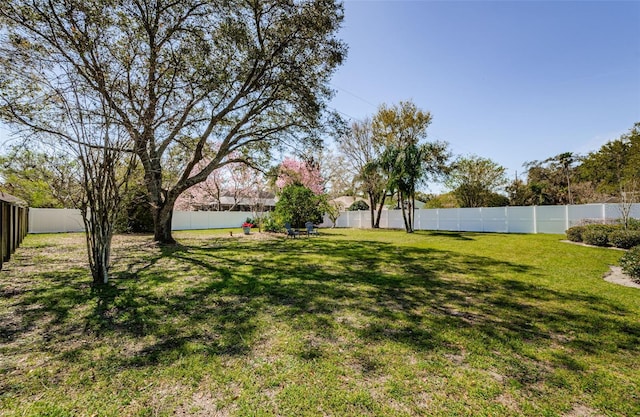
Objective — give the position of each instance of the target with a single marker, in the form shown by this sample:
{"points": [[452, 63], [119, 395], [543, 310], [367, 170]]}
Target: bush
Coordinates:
{"points": [[358, 205], [633, 224], [624, 239], [598, 234], [297, 205], [574, 233], [630, 262], [269, 224], [595, 236]]}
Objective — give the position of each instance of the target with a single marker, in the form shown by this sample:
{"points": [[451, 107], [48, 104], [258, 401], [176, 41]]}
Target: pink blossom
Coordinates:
{"points": [[292, 171]]}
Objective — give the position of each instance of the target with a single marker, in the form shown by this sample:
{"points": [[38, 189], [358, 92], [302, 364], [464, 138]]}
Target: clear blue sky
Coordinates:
{"points": [[513, 81]]}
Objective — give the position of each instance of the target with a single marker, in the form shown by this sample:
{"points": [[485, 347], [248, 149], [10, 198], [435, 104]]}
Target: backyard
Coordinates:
{"points": [[349, 323]]}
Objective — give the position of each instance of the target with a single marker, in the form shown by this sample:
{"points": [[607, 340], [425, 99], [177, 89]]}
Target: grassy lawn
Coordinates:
{"points": [[351, 323]]}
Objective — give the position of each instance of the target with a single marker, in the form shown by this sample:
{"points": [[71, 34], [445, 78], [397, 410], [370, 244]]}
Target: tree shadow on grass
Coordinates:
{"points": [[376, 291]]}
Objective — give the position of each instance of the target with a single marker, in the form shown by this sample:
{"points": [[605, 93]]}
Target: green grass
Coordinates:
{"points": [[351, 323]]}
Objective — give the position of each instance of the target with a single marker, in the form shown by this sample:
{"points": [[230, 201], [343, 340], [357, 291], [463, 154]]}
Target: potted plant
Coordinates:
{"points": [[246, 227]]}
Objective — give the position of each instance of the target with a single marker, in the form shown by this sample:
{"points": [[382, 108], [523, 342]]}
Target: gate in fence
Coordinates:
{"points": [[14, 224]]}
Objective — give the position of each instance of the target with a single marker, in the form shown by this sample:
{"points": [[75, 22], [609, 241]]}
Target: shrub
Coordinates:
{"points": [[297, 205], [269, 224], [358, 205], [574, 233], [630, 262], [598, 234], [595, 236], [624, 239], [633, 224]]}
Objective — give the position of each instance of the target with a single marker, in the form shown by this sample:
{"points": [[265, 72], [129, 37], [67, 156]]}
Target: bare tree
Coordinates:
{"points": [[361, 152], [628, 197], [105, 173]]}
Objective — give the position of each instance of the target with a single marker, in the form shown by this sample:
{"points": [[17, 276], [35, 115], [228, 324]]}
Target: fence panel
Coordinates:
{"points": [[591, 212], [521, 220], [394, 219], [614, 211], [14, 216], [494, 219], [470, 219], [428, 219], [193, 220], [51, 220], [448, 219], [551, 219]]}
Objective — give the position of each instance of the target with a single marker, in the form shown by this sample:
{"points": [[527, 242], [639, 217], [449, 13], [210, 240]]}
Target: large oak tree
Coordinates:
{"points": [[189, 81]]}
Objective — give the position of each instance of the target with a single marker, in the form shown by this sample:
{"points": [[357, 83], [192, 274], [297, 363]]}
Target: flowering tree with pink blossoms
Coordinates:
{"points": [[238, 181], [308, 174]]}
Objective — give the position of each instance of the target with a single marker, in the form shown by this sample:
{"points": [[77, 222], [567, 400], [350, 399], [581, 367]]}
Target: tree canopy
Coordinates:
{"points": [[389, 155], [475, 180], [616, 165], [188, 81]]}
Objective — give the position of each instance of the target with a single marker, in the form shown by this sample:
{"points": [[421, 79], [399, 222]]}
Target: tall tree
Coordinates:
{"points": [[176, 76], [551, 181], [474, 180], [615, 169], [564, 163], [406, 160]]}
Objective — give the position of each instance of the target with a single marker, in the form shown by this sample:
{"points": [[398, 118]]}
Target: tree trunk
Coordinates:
{"points": [[379, 214], [407, 225], [162, 224], [100, 267], [412, 214], [98, 232], [372, 209]]}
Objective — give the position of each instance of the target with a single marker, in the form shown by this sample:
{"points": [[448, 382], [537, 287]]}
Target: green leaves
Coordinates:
{"points": [[475, 180], [297, 205]]}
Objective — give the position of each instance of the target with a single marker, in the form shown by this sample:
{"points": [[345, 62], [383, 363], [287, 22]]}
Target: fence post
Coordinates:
{"points": [[2, 203], [535, 220], [506, 218]]}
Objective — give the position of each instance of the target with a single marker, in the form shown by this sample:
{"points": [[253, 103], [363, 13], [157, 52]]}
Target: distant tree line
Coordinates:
{"points": [[609, 174]]}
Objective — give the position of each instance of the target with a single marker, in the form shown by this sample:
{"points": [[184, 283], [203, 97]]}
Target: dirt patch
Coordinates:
{"points": [[582, 411], [616, 276]]}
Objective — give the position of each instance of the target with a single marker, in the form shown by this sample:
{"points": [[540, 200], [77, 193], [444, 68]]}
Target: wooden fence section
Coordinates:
{"points": [[14, 225]]}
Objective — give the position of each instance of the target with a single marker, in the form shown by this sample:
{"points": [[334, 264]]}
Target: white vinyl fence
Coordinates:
{"points": [[67, 220], [532, 219]]}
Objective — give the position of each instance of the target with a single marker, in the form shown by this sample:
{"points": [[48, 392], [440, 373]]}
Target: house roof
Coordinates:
{"points": [[345, 201], [8, 198]]}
